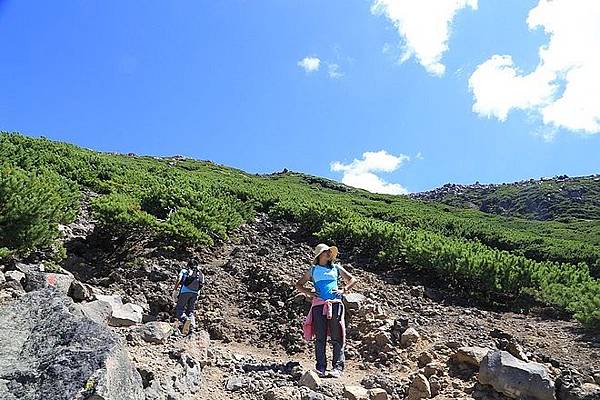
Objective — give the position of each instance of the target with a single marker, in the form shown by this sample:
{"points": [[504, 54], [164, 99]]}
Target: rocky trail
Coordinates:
{"points": [[103, 329]]}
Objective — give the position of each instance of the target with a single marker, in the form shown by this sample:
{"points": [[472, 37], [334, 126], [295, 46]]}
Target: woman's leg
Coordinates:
{"points": [[336, 336], [320, 329]]}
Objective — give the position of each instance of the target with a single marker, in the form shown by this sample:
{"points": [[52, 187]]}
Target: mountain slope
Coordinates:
{"points": [[560, 198], [188, 203]]}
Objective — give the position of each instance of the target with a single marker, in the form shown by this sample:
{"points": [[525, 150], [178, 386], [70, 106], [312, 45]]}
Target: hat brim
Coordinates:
{"points": [[334, 253]]}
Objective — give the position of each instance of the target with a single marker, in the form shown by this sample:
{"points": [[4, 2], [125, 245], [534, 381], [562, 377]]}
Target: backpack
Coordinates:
{"points": [[193, 279]]}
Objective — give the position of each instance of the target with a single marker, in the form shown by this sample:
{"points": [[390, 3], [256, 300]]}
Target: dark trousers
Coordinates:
{"points": [[185, 305], [321, 325]]}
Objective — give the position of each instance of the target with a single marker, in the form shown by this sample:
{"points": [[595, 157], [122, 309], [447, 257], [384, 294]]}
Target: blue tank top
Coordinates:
{"points": [[325, 280]]}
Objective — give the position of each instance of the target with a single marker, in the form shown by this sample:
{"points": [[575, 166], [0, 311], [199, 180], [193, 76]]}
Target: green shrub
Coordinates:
{"points": [[32, 204]]}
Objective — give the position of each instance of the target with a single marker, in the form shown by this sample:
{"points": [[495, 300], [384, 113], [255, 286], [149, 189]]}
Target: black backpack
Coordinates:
{"points": [[193, 279]]}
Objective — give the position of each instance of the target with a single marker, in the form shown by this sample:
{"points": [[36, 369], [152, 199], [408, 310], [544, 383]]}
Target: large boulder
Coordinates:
{"points": [[49, 350], [515, 378], [37, 278]]}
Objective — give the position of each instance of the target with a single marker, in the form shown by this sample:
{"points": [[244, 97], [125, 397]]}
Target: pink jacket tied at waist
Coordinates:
{"points": [[309, 332]]}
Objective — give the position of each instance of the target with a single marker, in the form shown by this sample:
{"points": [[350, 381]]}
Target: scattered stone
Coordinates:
{"points": [[16, 276], [516, 350], [354, 301], [127, 315], [356, 393], [436, 385], [434, 368], [419, 388], [97, 310], [311, 380], [2, 278], [122, 314], [156, 331], [587, 391], [282, 393], [235, 383], [378, 394], [424, 359], [409, 337], [80, 291], [516, 378], [471, 356]]}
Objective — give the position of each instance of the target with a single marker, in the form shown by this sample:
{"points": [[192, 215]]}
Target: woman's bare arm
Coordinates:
{"points": [[300, 285], [347, 278]]}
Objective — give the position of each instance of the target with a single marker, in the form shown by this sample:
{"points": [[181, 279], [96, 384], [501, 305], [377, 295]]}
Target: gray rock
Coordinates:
{"points": [[470, 355], [80, 291], [282, 393], [515, 378], [409, 337], [122, 314], [311, 380], [36, 278], [354, 301], [2, 278], [356, 393], [378, 394], [235, 383], [156, 331], [48, 350], [41, 280], [98, 311], [419, 388], [16, 276], [126, 315], [587, 391]]}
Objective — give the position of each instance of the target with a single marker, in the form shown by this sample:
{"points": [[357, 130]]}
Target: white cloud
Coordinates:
{"points": [[419, 156], [310, 64], [424, 26], [563, 89], [361, 173], [333, 70]]}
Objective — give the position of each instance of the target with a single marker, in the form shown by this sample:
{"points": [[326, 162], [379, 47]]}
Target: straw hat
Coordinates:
{"points": [[323, 247]]}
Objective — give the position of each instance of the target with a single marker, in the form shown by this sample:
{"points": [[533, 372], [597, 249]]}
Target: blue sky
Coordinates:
{"points": [[222, 81]]}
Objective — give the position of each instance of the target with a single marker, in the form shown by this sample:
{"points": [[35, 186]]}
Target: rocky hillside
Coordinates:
{"points": [[102, 328], [558, 198]]}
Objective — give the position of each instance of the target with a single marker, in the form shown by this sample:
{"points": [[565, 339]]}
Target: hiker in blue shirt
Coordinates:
{"points": [[189, 283], [326, 315]]}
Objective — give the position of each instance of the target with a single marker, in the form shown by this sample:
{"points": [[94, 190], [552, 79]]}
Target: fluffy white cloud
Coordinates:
{"points": [[361, 173], [424, 26], [310, 64], [564, 87]]}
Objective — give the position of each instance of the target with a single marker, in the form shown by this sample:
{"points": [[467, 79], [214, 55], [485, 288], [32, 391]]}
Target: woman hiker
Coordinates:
{"points": [[189, 283], [326, 316]]}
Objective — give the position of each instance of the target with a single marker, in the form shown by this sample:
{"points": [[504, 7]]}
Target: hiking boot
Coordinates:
{"points": [[335, 373], [186, 327], [322, 373]]}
